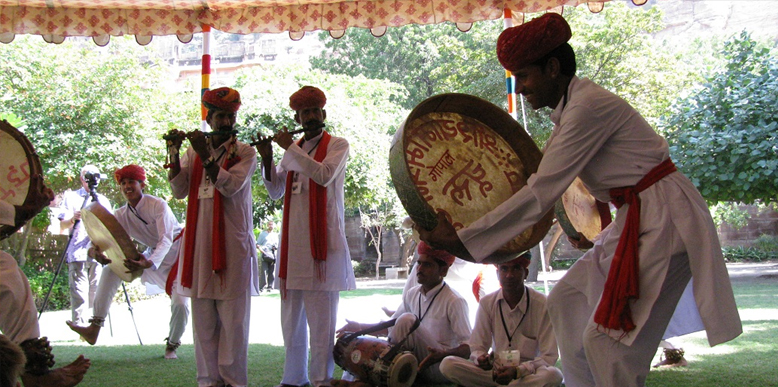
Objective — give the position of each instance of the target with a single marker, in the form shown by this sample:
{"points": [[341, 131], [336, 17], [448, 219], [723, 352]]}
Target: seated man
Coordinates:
{"points": [[508, 320], [441, 311], [149, 220], [18, 315]]}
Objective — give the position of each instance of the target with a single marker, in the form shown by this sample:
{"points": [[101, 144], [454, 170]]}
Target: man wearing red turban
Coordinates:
{"points": [[218, 266], [314, 263], [440, 312], [607, 311], [150, 221]]}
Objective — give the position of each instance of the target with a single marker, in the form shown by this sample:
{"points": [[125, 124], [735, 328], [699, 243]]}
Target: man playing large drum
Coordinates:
{"points": [[444, 325], [149, 220], [511, 319], [661, 240]]}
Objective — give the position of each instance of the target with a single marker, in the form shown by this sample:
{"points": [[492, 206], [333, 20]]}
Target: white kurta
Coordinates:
{"points": [[18, 315], [601, 138], [72, 202], [329, 173], [235, 186], [153, 224]]}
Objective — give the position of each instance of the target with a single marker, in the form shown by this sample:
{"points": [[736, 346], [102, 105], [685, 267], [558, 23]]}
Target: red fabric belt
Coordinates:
{"points": [[622, 284]]}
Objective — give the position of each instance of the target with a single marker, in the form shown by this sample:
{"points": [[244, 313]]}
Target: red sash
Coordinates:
{"points": [[218, 254], [317, 218], [622, 284]]}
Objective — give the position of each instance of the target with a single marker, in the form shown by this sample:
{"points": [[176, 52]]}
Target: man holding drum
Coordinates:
{"points": [[83, 270], [663, 235], [218, 266], [18, 315], [149, 220], [442, 316], [514, 323], [314, 263]]}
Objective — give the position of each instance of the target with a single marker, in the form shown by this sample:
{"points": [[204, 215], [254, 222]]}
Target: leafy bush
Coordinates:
{"points": [[747, 254], [768, 243], [363, 268], [40, 280]]}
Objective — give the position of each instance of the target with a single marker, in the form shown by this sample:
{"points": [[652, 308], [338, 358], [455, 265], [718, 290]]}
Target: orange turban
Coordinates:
{"points": [[223, 98], [132, 171], [439, 255], [523, 45], [307, 97]]}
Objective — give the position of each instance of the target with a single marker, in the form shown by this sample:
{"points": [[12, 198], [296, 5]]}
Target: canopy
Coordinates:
{"points": [[57, 19]]}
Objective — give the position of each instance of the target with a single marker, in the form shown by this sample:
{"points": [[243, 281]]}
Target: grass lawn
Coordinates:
{"points": [[749, 360]]}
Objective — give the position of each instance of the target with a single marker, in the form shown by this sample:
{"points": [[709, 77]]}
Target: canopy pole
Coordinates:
{"points": [[206, 73], [509, 81]]}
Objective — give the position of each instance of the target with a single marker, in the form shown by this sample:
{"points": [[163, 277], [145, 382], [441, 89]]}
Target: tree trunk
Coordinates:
{"points": [[377, 245], [533, 264], [21, 257]]}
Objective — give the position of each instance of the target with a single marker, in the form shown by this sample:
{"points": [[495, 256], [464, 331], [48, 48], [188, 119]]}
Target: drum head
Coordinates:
{"points": [[18, 162], [106, 233], [463, 156], [402, 371], [577, 212]]}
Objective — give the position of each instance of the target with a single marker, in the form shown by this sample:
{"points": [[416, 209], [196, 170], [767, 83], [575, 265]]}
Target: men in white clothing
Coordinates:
{"points": [[509, 320], [217, 265], [18, 315], [149, 220], [663, 235], [83, 271], [314, 263], [442, 313]]}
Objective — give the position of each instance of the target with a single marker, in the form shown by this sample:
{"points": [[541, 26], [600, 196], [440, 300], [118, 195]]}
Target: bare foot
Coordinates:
{"points": [[89, 333], [67, 376]]}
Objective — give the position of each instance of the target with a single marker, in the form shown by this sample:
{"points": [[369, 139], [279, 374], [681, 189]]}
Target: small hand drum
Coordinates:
{"points": [[18, 162], [366, 358], [106, 233]]}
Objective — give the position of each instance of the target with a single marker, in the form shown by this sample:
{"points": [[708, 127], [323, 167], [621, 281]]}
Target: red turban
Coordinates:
{"points": [[439, 255], [132, 171], [523, 45], [307, 97], [223, 98]]}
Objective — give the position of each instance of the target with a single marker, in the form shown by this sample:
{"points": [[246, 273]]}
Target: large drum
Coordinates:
{"points": [[372, 360], [106, 233], [580, 214], [18, 162], [463, 156]]}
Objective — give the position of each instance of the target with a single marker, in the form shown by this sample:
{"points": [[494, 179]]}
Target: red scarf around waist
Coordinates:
{"points": [[218, 253], [622, 284], [317, 218]]}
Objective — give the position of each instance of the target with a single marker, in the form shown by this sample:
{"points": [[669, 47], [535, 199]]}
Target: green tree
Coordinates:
{"points": [[723, 135], [82, 104]]}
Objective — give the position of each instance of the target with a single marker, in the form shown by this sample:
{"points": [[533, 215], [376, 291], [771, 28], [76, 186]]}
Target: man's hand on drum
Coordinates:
{"points": [[98, 255], [350, 327], [137, 264], [434, 357], [581, 243], [444, 237]]}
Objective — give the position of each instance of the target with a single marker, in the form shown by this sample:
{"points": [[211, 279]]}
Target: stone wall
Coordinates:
{"points": [[761, 222]]}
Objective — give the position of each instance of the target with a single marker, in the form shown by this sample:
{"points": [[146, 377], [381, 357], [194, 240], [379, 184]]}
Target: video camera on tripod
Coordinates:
{"points": [[93, 178]]}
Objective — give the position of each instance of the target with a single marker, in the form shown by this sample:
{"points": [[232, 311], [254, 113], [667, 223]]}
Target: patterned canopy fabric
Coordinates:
{"points": [[145, 18]]}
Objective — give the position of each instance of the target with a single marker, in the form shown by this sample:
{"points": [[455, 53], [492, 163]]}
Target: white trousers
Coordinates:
{"points": [[464, 372], [301, 311], [179, 305], [592, 358], [417, 342], [18, 315], [83, 277], [221, 332]]}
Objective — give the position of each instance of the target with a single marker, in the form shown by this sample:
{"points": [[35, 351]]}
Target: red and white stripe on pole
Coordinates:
{"points": [[206, 72]]}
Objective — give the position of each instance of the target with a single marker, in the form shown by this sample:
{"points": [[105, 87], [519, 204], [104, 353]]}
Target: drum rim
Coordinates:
{"points": [[493, 117], [122, 239], [34, 165]]}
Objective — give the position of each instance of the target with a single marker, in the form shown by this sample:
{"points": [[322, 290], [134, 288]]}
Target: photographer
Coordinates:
{"points": [[83, 271]]}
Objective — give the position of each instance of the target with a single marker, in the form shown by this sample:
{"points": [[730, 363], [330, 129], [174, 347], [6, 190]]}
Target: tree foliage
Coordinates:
{"points": [[723, 135], [82, 104]]}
